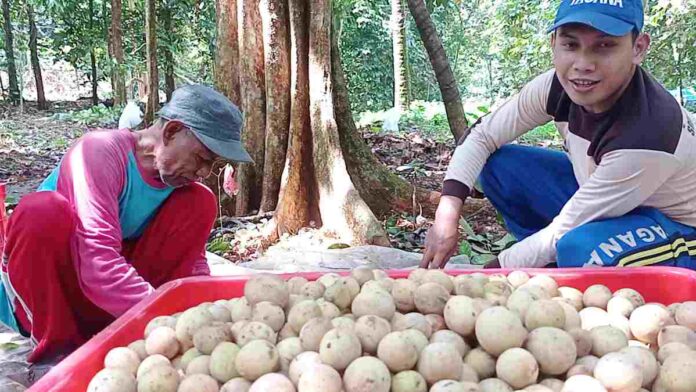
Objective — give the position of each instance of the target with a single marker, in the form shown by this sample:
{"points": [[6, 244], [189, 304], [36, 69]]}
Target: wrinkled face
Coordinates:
{"points": [[181, 158], [594, 68]]}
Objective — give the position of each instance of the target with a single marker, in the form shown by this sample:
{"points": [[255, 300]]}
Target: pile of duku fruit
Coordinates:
{"points": [[367, 332]]}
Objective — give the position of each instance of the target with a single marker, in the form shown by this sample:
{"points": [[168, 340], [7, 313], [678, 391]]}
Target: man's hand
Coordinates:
{"points": [[442, 238]]}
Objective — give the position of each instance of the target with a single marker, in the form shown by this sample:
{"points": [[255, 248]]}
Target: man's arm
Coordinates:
{"points": [[624, 180], [519, 114], [92, 174]]}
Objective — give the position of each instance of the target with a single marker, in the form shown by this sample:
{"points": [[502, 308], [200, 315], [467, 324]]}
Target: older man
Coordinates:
{"points": [[122, 214]]}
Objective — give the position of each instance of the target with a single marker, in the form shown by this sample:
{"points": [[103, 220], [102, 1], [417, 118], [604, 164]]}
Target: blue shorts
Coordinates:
{"points": [[530, 185]]}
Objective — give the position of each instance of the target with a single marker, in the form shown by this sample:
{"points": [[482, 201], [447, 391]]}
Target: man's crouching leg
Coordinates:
{"points": [[643, 237], [41, 281], [173, 244]]}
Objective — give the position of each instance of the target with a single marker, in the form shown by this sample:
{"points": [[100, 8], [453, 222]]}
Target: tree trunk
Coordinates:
{"points": [[117, 76], [342, 209], [402, 99], [297, 202], [95, 82], [443, 72], [169, 83], [253, 101], [226, 75], [35, 65], [274, 16], [93, 57], [381, 189], [227, 50], [152, 75], [9, 53]]}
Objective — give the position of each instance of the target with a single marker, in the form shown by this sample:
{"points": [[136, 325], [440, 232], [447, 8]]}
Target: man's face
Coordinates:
{"points": [[594, 68], [181, 158]]}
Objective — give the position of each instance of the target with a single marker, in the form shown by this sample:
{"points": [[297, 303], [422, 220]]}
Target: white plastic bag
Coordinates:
{"points": [[391, 120], [131, 116]]}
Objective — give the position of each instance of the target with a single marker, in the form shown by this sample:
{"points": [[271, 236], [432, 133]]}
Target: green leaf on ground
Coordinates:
{"points": [[338, 245], [9, 346], [465, 248], [482, 259], [219, 245], [466, 227]]}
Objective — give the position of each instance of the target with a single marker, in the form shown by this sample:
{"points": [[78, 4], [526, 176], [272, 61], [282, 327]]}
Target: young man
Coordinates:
{"points": [[122, 214], [623, 194]]}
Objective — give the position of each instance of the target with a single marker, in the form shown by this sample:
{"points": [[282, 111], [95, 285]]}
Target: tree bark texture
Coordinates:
{"points": [[402, 99], [443, 71], [381, 189], [9, 53], [118, 73], [34, 54], [342, 209], [226, 78], [298, 199], [227, 50], [274, 16], [169, 82], [93, 66], [252, 89], [152, 74], [93, 58]]}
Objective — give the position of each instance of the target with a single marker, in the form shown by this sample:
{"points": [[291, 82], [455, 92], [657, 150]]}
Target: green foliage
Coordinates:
{"points": [[99, 115], [672, 57], [219, 245], [544, 133], [482, 248]]}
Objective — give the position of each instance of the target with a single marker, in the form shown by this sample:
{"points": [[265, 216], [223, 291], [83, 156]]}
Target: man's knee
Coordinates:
{"points": [[575, 249], [500, 160], [43, 213]]}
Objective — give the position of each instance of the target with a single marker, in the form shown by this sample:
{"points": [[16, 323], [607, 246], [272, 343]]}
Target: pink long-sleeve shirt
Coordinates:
{"points": [[113, 200]]}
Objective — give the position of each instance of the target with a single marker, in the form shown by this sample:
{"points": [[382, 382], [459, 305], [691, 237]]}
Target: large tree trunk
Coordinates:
{"points": [[253, 99], [402, 99], [226, 74], [169, 83], [342, 209], [227, 50], [35, 65], [93, 57], [9, 53], [441, 66], [152, 74], [274, 15], [381, 189], [297, 202], [118, 75]]}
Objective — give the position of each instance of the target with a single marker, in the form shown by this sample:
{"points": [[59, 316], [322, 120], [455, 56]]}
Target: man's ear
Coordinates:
{"points": [[640, 48], [170, 129]]}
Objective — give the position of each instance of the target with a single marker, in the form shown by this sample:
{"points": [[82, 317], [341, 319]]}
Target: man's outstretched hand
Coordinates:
{"points": [[442, 238]]}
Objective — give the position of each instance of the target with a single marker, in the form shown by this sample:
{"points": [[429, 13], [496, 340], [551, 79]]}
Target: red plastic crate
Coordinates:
{"points": [[657, 284]]}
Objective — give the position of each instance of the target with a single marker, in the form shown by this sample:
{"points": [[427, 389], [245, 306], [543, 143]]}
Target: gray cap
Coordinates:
{"points": [[213, 118]]}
